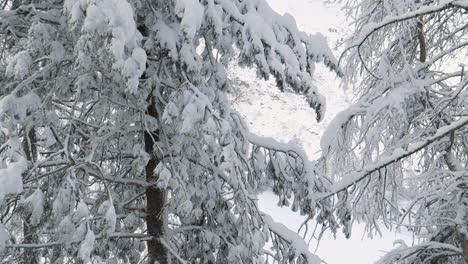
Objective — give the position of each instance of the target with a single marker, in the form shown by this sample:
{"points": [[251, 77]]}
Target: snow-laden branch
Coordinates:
{"points": [[114, 235], [397, 155], [296, 241], [270, 143], [370, 28], [437, 249]]}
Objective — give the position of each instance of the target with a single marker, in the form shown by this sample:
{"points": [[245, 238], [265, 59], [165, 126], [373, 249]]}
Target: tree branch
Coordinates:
{"points": [[358, 175]]}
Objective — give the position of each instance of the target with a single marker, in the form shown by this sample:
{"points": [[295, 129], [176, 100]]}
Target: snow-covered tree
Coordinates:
{"points": [[118, 142], [400, 152]]}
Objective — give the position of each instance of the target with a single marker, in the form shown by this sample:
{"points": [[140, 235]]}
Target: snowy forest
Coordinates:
{"points": [[120, 141]]}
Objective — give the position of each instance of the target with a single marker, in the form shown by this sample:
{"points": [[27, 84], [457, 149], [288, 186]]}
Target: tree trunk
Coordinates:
{"points": [[422, 43], [29, 236], [464, 246], [155, 198]]}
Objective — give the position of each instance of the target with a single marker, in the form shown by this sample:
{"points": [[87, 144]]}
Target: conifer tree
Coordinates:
{"points": [[118, 143]]}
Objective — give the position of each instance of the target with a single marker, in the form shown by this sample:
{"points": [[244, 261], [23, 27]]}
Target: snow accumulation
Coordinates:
{"points": [[397, 154], [107, 209], [18, 107], [287, 118], [191, 12], [87, 246], [11, 182], [463, 3], [36, 202], [11, 177], [371, 27], [297, 242], [19, 65], [115, 17], [3, 237]]}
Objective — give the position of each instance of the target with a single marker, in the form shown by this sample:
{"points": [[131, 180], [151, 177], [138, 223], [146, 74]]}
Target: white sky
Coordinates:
{"points": [[310, 15]]}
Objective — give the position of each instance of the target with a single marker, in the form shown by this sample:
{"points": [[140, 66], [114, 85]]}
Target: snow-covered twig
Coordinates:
{"points": [[385, 160]]}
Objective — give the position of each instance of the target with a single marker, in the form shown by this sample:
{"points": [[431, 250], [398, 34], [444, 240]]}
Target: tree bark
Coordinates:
{"points": [[155, 198], [422, 43], [29, 236], [464, 246]]}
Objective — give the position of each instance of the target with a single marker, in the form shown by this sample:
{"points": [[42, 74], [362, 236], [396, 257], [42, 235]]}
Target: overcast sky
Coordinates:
{"points": [[311, 15]]}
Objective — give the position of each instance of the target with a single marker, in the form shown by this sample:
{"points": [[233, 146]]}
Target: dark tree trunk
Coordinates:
{"points": [[422, 43], [29, 236], [155, 197], [464, 246]]}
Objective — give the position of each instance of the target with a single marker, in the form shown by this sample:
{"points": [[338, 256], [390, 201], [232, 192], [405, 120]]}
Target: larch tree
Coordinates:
{"points": [[399, 153], [118, 143]]}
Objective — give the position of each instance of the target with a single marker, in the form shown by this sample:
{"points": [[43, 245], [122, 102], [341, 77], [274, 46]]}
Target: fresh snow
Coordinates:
{"points": [[191, 12], [87, 246], [287, 118], [11, 178], [296, 240], [114, 17], [19, 65], [397, 154], [3, 237], [36, 202]]}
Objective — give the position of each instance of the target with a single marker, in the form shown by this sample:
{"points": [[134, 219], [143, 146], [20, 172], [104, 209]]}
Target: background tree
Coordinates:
{"points": [[117, 135], [400, 151]]}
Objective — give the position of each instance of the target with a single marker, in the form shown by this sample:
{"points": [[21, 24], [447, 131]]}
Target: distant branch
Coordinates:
{"points": [[374, 27], [399, 154]]}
